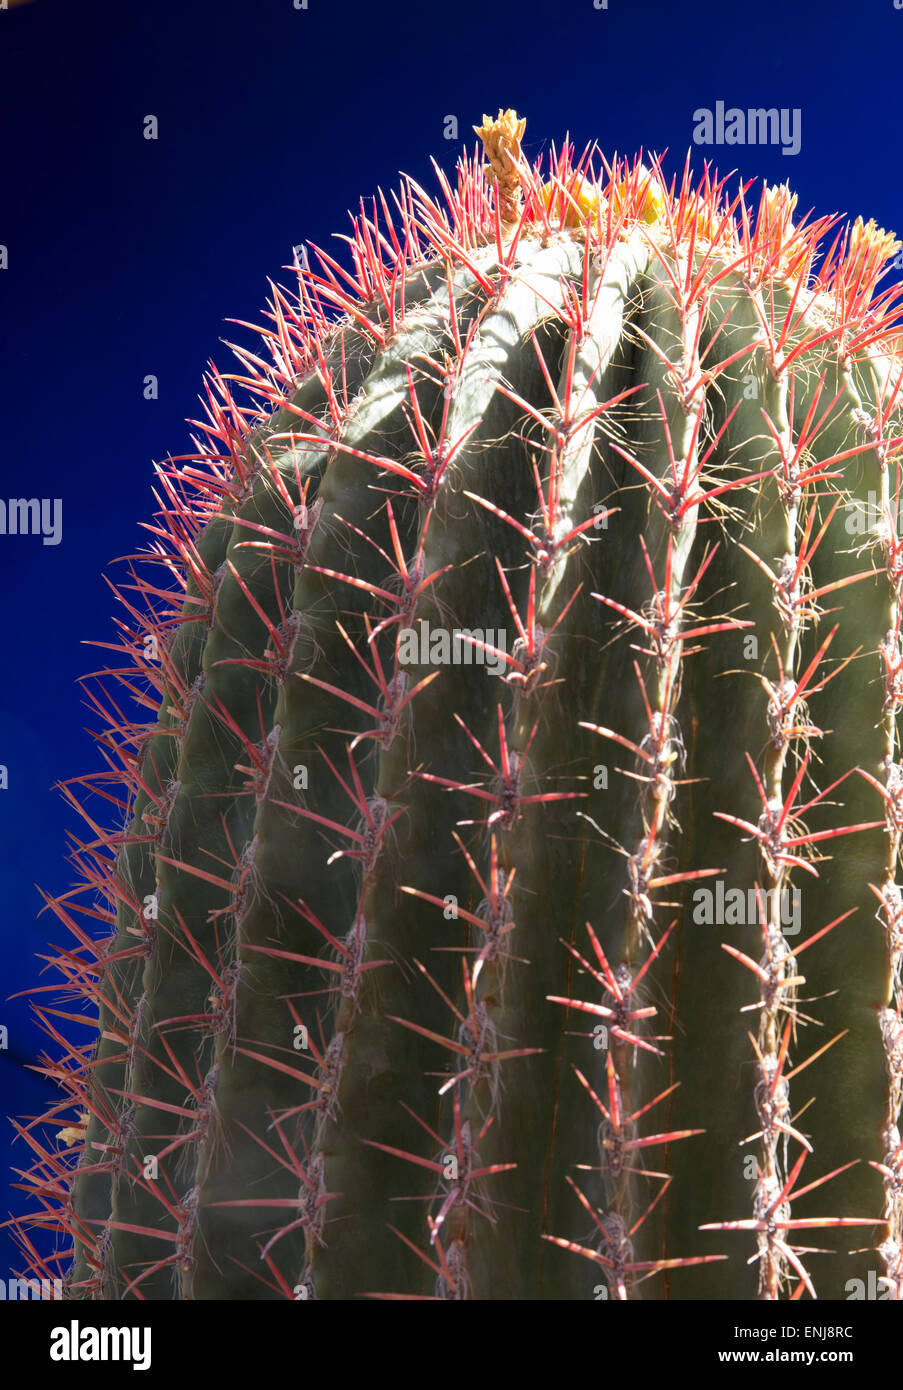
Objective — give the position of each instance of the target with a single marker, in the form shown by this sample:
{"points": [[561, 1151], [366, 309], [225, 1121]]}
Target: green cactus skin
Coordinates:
{"points": [[407, 988]]}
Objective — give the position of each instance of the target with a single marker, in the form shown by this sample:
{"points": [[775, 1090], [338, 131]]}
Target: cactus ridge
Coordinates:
{"points": [[516, 655]]}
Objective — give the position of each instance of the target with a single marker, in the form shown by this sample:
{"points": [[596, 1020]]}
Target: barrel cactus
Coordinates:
{"points": [[522, 646]]}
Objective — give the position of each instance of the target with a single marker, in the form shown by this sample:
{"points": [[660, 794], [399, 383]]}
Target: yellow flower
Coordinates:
{"points": [[643, 195], [870, 246], [574, 206]]}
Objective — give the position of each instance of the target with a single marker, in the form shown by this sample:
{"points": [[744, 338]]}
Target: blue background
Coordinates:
{"points": [[126, 257]]}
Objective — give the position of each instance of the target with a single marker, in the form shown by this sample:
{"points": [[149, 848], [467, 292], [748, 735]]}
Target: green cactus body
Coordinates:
{"points": [[529, 621]]}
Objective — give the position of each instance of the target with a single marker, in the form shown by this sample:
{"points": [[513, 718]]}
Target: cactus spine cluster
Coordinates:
{"points": [[524, 663]]}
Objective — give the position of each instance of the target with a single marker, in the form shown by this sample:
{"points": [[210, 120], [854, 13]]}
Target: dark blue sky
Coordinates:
{"points": [[125, 256]]}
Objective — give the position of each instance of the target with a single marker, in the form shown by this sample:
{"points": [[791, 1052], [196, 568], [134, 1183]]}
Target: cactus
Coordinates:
{"points": [[524, 660]]}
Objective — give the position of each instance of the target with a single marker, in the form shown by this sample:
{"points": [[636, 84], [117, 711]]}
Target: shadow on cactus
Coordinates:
{"points": [[506, 901]]}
